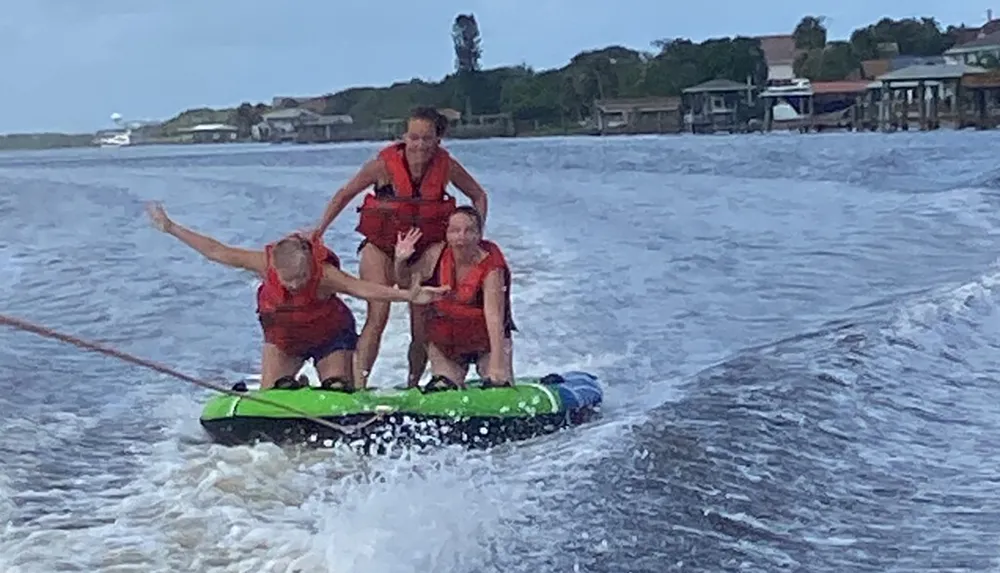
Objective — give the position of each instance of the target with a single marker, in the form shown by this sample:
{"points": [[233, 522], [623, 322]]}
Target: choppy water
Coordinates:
{"points": [[799, 335]]}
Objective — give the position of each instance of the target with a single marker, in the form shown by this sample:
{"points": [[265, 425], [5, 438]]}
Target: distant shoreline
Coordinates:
{"points": [[43, 141], [49, 141], [614, 90]]}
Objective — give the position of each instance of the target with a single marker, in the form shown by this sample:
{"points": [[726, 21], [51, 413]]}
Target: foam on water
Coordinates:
{"points": [[6, 499], [10, 268], [210, 508]]}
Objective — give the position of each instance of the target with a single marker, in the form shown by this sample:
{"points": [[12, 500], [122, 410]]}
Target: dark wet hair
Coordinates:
{"points": [[472, 213], [439, 121]]}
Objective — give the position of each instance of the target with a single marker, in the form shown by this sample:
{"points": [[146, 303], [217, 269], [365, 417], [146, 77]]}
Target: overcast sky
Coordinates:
{"points": [[69, 64]]}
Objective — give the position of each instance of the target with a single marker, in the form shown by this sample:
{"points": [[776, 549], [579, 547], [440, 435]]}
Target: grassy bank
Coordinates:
{"points": [[16, 141]]}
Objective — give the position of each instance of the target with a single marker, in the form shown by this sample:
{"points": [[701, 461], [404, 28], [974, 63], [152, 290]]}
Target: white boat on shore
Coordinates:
{"points": [[115, 138]]}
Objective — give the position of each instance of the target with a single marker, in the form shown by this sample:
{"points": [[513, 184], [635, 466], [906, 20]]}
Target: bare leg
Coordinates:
{"points": [[376, 267], [337, 364], [441, 365], [275, 364], [417, 355], [483, 364]]}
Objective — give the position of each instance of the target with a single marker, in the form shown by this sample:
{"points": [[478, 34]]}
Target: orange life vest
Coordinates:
{"points": [[457, 323], [426, 208], [299, 321]]}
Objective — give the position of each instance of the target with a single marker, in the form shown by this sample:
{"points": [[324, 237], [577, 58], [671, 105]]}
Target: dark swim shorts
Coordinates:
{"points": [[346, 339]]}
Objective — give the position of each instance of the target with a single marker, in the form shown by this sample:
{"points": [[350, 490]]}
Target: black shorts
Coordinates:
{"points": [[346, 339]]}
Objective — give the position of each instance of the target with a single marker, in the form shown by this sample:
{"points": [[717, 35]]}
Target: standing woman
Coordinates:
{"points": [[410, 179]]}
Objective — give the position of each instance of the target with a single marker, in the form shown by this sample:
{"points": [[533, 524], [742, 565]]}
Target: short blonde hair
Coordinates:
{"points": [[291, 252]]}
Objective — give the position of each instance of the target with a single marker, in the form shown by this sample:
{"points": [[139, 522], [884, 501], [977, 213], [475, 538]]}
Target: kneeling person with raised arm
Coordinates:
{"points": [[300, 313], [473, 323]]}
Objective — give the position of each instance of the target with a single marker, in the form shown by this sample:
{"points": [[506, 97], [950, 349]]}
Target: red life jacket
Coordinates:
{"points": [[299, 321], [427, 209], [457, 323]]}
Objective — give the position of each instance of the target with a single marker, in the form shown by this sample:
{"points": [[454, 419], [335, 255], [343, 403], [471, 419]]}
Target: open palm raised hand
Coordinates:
{"points": [[406, 244]]}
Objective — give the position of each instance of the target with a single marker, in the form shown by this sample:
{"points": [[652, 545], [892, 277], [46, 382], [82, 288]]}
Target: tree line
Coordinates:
{"points": [[822, 60], [560, 97]]}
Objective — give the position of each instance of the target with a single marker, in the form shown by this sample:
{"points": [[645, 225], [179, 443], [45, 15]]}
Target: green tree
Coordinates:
{"points": [[607, 73], [810, 33], [911, 36], [465, 36], [834, 62], [674, 68], [682, 63], [244, 119], [535, 97], [563, 95], [737, 60], [468, 52], [572, 105]]}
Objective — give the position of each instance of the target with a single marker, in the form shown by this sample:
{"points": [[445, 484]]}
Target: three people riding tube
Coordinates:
{"points": [[410, 180]]}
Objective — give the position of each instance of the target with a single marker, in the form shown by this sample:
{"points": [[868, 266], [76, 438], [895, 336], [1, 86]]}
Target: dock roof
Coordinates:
{"points": [[930, 72], [641, 104], [718, 86]]}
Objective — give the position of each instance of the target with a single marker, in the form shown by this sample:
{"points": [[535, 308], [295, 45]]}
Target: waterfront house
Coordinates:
{"points": [[209, 133], [718, 105], [323, 128], [984, 50], [806, 106], [779, 53], [301, 125], [639, 115], [926, 87]]}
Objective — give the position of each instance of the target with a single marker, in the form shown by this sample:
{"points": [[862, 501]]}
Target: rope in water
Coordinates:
{"points": [[79, 342]]}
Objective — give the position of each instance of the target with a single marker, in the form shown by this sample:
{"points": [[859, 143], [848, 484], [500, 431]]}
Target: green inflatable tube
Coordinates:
{"points": [[473, 417]]}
